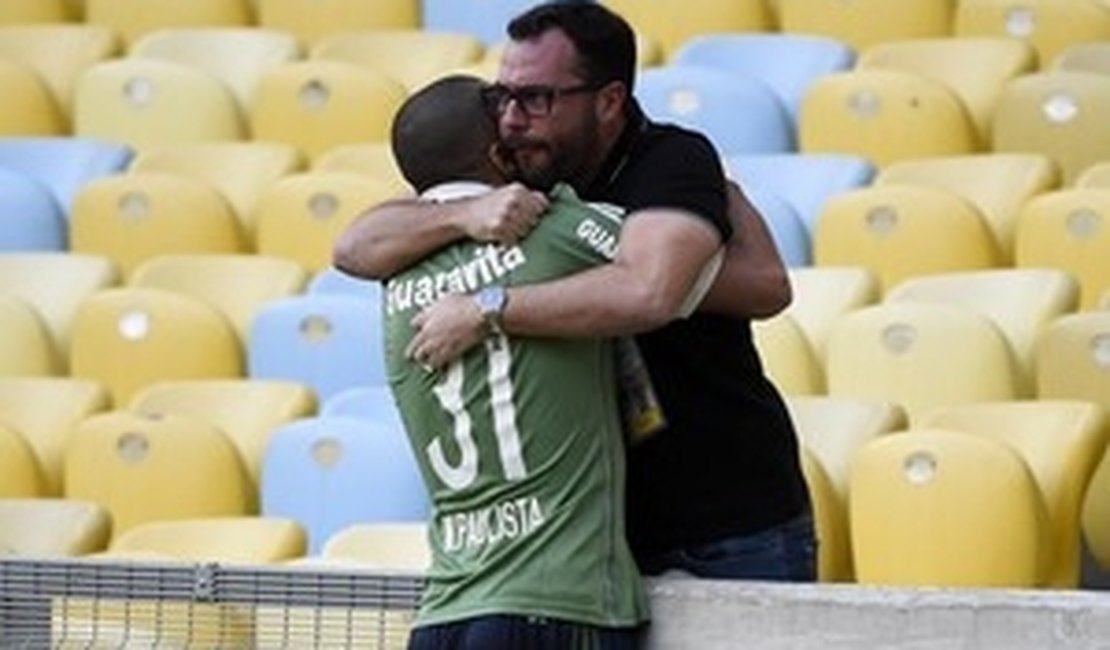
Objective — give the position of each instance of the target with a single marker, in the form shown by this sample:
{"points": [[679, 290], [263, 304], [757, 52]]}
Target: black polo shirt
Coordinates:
{"points": [[727, 463]]}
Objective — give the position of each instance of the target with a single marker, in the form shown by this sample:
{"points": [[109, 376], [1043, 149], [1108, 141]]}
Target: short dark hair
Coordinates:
{"points": [[443, 133], [605, 42]]}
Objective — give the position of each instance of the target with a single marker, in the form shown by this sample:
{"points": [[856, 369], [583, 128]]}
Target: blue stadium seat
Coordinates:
{"points": [[30, 219], [328, 342], [486, 19], [333, 281], [790, 233], [330, 472], [740, 114], [368, 402], [63, 164]]}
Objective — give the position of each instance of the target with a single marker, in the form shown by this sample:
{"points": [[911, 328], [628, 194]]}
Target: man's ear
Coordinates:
{"points": [[501, 160], [611, 100]]}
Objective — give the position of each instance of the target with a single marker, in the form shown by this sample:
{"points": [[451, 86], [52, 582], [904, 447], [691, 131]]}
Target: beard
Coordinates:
{"points": [[540, 164]]}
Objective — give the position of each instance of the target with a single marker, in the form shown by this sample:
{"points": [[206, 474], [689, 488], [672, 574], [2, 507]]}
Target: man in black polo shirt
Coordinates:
{"points": [[719, 491]]}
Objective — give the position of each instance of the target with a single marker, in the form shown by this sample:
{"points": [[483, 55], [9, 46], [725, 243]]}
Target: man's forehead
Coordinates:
{"points": [[546, 59]]}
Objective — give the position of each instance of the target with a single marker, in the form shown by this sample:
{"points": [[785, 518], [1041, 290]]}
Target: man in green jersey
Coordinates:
{"points": [[520, 441]]}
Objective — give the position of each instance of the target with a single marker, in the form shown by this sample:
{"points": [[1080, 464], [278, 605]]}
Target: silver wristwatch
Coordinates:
{"points": [[491, 301]]}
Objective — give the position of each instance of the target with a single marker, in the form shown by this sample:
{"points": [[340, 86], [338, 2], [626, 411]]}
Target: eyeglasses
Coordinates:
{"points": [[535, 101]]}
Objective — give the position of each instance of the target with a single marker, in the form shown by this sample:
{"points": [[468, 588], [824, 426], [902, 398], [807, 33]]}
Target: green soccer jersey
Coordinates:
{"points": [[519, 441]]}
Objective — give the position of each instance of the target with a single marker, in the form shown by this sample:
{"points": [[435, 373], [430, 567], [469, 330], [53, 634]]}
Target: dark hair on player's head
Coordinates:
{"points": [[605, 42], [443, 132]]}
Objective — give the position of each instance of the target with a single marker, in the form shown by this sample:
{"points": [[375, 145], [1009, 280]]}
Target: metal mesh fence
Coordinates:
{"points": [[97, 604]]}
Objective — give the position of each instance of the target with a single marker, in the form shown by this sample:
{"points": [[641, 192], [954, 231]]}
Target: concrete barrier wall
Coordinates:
{"points": [[714, 615]]}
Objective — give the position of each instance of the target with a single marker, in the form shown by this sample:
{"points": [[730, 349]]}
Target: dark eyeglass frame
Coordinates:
{"points": [[534, 100]]}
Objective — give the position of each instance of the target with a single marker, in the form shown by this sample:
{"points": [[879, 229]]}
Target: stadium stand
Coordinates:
{"points": [[331, 280], [1094, 176], [788, 357], [26, 348], [788, 229], [671, 23], [367, 402], [823, 294], [64, 164], [45, 527], [382, 545], [830, 521], [1083, 57], [390, 53], [28, 108], [34, 11], [133, 19], [1072, 358], [30, 219], [1049, 26], [232, 540], [864, 23], [20, 475], [322, 18], [373, 159]]}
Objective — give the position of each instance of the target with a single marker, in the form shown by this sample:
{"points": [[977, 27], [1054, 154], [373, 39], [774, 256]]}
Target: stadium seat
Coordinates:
{"points": [[863, 23], [317, 105], [903, 231], [312, 21], [920, 356], [64, 164], [390, 53], [241, 171], [374, 159], [998, 184], [44, 410], [1082, 57], [331, 280], [366, 402], [1073, 358], [1050, 26], [672, 23], [55, 284], [18, 12], [383, 546], [1095, 176], [300, 216], [133, 19], [133, 218], [30, 218], [238, 286], [231, 540], [1019, 302], [26, 348], [1057, 114], [974, 69], [824, 294], [237, 56], [884, 116], [788, 357], [709, 100], [938, 508], [331, 472], [248, 411], [143, 469], [787, 63], [329, 342], [1061, 442], [129, 338], [1068, 230], [148, 103], [805, 180], [20, 474], [28, 108], [59, 54], [484, 19], [788, 231], [52, 528], [832, 430], [1095, 516], [830, 520]]}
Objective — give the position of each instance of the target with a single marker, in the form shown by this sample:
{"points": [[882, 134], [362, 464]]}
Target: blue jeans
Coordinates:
{"points": [[787, 553], [510, 632]]}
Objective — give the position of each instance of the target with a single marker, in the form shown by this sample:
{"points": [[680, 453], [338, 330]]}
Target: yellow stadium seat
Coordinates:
{"points": [[1083, 57], [144, 469], [1058, 114], [234, 540], [56, 284], [241, 171], [885, 116], [903, 231], [317, 105], [1073, 358], [671, 22], [374, 159], [26, 347], [237, 286], [18, 12], [1069, 230], [1061, 442], [390, 53], [131, 218], [1095, 516], [147, 103], [129, 338], [20, 474], [400, 546], [832, 431], [830, 521], [1050, 26], [132, 19], [998, 184], [823, 294], [300, 216], [975, 69], [1096, 176], [863, 23], [788, 357], [43, 528], [247, 410], [939, 508], [312, 20], [60, 54], [237, 56], [1019, 302], [28, 108], [44, 410], [920, 356]]}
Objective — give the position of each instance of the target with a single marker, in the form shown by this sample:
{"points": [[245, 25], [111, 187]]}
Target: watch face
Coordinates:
{"points": [[491, 299]]}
